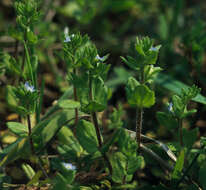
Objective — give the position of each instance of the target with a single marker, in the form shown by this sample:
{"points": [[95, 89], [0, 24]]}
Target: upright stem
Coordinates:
{"points": [[180, 132], [30, 138], [32, 147], [98, 133], [139, 121], [139, 114], [94, 118], [75, 98]]}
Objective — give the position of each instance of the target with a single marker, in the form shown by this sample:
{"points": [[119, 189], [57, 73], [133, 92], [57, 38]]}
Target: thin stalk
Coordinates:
{"points": [[180, 132], [40, 102], [29, 62], [30, 138], [139, 121], [32, 146], [94, 118], [139, 114], [24, 57], [75, 99], [41, 166], [97, 129]]}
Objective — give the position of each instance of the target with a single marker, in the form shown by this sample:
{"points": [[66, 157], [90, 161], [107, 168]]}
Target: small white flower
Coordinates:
{"points": [[153, 49], [170, 107], [69, 166], [66, 31], [99, 58], [68, 38], [29, 87]]}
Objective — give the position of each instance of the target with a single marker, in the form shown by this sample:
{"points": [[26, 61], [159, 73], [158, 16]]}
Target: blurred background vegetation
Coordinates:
{"points": [[178, 25]]}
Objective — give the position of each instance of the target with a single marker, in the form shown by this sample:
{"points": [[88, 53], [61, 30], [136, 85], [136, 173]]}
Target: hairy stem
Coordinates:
{"points": [[139, 121]]}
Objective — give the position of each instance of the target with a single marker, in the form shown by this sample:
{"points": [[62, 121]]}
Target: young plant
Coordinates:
{"points": [[139, 94]]}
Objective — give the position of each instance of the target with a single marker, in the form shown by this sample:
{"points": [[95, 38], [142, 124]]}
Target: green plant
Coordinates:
{"points": [[71, 146]]}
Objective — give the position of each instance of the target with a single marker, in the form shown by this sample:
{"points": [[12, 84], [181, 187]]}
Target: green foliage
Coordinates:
{"points": [[180, 102], [70, 145], [68, 104], [86, 136], [30, 173], [202, 175], [141, 96], [146, 54], [179, 165], [167, 120], [27, 97], [118, 162], [18, 128]]}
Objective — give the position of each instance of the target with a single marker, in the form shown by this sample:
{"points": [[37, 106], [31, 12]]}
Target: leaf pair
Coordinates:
{"points": [[139, 95]]}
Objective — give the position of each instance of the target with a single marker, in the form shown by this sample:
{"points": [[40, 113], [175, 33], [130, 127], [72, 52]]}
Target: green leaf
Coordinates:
{"points": [[132, 83], [69, 104], [32, 38], [28, 170], [18, 128], [100, 92], [167, 120], [94, 106], [12, 100], [45, 130], [86, 136], [135, 163], [150, 73], [176, 86], [35, 179], [131, 62], [18, 150], [179, 165], [189, 137], [202, 175], [118, 162], [42, 133], [69, 145], [178, 106], [111, 141], [141, 96]]}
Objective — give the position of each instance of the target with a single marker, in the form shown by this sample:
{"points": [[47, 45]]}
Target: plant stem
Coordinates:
{"points": [[75, 98], [98, 133], [187, 170], [139, 121], [94, 118], [30, 138], [32, 147], [180, 132]]}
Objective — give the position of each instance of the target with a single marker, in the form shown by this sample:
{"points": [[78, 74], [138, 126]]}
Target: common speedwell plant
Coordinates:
{"points": [[86, 155]]}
